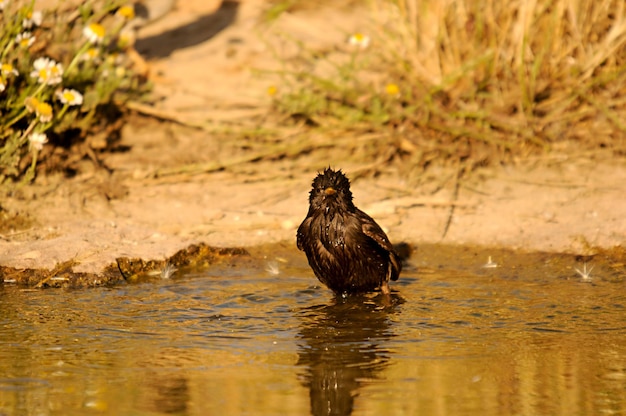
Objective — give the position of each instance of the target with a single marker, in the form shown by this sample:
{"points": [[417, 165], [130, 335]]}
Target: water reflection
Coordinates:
{"points": [[342, 347], [166, 392]]}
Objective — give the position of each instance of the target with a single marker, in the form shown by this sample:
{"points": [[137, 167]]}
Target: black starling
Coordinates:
{"points": [[346, 249]]}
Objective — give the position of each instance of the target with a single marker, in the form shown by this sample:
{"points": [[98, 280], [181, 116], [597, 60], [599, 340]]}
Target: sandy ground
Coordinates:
{"points": [[208, 56]]}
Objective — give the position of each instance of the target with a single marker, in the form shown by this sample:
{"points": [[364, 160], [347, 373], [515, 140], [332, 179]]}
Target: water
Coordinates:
{"points": [[530, 337]]}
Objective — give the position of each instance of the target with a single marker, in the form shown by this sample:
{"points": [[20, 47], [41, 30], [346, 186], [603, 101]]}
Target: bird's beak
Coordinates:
{"points": [[330, 191]]}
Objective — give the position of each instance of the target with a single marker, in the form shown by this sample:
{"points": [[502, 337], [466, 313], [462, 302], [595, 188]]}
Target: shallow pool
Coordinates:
{"points": [[523, 334]]}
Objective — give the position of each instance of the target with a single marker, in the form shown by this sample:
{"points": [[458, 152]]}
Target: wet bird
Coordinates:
{"points": [[346, 249]]}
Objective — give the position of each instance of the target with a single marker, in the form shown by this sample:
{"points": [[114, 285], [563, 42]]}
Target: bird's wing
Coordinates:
{"points": [[300, 234], [373, 231]]}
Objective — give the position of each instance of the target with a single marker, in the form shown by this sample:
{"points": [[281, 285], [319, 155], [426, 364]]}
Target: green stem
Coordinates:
{"points": [[30, 173], [77, 57], [39, 89], [62, 112], [33, 164], [17, 118], [28, 130]]}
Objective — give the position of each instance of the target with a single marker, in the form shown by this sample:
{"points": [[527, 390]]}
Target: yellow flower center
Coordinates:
{"points": [[92, 53], [98, 30], [125, 40], [359, 37], [43, 74], [69, 96], [127, 12], [44, 110], [392, 89], [360, 40], [31, 103]]}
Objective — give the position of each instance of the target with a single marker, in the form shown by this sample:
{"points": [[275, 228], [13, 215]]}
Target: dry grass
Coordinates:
{"points": [[478, 81]]}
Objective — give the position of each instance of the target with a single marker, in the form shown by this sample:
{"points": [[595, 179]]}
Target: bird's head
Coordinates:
{"points": [[331, 189]]}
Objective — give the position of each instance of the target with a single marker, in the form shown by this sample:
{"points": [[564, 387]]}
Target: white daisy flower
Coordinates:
{"points": [[25, 39], [37, 140], [94, 32], [47, 71], [56, 74], [8, 69], [91, 54], [359, 40], [32, 19], [70, 97]]}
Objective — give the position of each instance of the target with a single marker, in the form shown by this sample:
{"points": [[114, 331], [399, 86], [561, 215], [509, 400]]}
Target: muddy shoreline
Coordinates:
{"points": [[85, 224]]}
